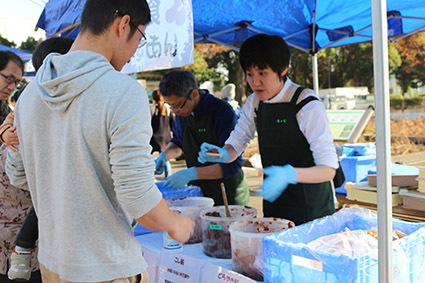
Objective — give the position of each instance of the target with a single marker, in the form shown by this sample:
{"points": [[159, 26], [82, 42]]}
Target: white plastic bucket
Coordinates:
{"points": [[247, 248]]}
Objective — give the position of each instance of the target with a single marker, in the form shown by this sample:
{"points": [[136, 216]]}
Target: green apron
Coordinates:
{"points": [[197, 130], [282, 142]]}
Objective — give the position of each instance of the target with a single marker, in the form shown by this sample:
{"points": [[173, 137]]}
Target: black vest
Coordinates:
{"points": [[281, 142], [195, 131]]}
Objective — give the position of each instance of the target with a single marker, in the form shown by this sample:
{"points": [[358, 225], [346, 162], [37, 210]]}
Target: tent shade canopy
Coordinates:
{"points": [[334, 22], [24, 54]]}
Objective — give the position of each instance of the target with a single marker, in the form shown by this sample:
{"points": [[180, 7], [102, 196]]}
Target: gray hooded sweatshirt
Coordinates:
{"points": [[84, 154]]}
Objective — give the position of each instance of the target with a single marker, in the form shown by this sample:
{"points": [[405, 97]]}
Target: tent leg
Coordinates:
{"points": [[315, 73], [383, 143]]}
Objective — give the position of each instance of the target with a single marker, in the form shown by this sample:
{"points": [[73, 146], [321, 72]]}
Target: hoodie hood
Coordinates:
{"points": [[62, 78]]}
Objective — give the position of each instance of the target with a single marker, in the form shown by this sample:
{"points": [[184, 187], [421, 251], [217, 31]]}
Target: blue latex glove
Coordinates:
{"points": [[160, 163], [277, 180], [181, 178], [203, 157]]}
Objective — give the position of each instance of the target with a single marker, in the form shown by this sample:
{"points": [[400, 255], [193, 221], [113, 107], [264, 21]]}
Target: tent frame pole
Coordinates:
{"points": [[315, 73], [383, 142]]}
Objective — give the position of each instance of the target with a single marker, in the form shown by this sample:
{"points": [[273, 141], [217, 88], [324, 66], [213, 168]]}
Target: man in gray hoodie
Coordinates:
{"points": [[84, 153]]}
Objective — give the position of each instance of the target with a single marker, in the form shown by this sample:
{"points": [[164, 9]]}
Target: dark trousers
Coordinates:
{"points": [[28, 234]]}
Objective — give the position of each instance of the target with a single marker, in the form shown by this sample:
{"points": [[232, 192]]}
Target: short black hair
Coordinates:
{"points": [[6, 56], [264, 51], [177, 82], [156, 95], [98, 15], [55, 44]]}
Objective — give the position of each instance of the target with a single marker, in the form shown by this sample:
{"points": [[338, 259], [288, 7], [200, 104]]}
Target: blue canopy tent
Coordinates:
{"points": [[311, 26], [333, 23], [24, 54]]}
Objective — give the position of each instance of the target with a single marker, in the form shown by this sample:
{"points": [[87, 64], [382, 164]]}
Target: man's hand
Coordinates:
{"points": [[160, 163], [181, 178], [277, 180], [10, 138], [218, 154], [183, 228]]}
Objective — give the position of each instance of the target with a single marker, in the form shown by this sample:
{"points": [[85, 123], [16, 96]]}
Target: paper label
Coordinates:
{"points": [[176, 267], [217, 274], [302, 261], [215, 227]]}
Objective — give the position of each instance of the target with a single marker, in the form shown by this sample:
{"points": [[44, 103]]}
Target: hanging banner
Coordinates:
{"points": [[170, 37]]}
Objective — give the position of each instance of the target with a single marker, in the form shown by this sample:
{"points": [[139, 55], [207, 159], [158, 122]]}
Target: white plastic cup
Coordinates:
{"points": [[191, 206], [247, 247], [169, 243]]}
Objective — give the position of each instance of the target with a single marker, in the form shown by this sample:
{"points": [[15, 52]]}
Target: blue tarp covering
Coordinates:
{"points": [[24, 54], [337, 22]]}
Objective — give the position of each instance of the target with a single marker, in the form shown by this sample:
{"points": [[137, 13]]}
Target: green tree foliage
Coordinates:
{"points": [[344, 66], [300, 70], [4, 41], [200, 68], [30, 43], [218, 56]]}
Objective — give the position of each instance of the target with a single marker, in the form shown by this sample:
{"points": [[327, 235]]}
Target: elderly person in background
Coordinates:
{"points": [[11, 72], [228, 93], [14, 202]]}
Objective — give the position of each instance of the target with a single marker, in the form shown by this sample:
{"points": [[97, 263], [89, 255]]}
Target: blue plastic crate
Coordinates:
{"points": [[287, 258], [355, 169], [168, 193]]}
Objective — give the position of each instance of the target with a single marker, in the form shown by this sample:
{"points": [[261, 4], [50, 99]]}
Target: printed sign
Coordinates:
{"points": [[169, 35], [217, 274], [175, 267], [151, 259], [346, 125]]}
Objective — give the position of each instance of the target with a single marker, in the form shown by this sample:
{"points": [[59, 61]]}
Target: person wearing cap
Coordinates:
{"points": [[295, 141], [200, 117], [228, 93]]}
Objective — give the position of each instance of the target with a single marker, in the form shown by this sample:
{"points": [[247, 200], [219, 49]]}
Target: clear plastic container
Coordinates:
{"points": [[191, 207], [215, 228], [247, 247]]}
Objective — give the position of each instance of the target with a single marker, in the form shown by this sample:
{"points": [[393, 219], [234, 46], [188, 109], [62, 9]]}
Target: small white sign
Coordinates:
{"points": [[176, 267], [306, 262], [217, 274], [170, 38], [151, 259]]}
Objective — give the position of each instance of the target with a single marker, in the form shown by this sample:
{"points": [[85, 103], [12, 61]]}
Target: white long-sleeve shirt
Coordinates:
{"points": [[312, 120]]}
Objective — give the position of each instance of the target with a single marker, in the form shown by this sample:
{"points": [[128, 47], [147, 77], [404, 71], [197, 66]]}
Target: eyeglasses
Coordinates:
{"points": [[11, 80], [184, 102], [143, 40]]}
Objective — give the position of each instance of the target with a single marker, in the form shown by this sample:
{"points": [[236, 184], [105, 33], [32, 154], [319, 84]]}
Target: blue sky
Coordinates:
{"points": [[21, 7]]}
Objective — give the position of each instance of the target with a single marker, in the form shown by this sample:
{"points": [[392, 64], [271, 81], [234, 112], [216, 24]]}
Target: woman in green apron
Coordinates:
{"points": [[296, 145]]}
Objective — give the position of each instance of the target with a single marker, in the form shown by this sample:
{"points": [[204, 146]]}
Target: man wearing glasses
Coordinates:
{"points": [[200, 117], [11, 71], [88, 163]]}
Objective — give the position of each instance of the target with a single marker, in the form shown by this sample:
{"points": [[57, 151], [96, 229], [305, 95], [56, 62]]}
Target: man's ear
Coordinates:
{"points": [[284, 72], [122, 24], [195, 94]]}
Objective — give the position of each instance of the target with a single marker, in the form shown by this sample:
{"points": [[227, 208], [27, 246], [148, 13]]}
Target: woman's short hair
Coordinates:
{"points": [[264, 51], [55, 44]]}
